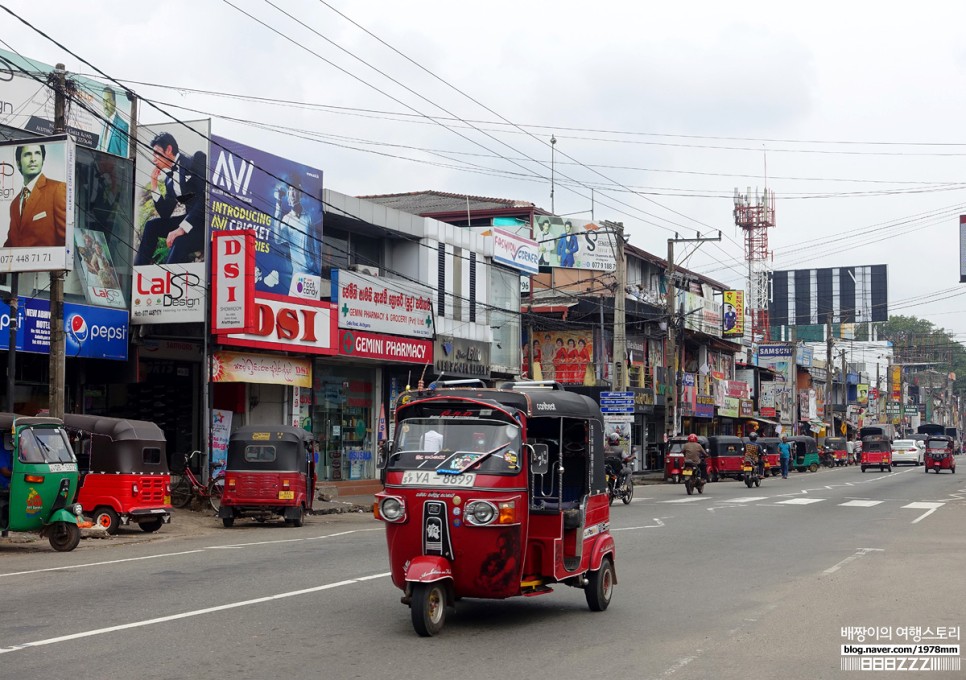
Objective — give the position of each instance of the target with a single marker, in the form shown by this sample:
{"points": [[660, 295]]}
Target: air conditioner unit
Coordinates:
{"points": [[364, 269]]}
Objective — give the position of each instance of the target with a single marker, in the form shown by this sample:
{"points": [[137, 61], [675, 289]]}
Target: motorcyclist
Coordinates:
{"points": [[695, 454], [617, 459], [754, 453]]}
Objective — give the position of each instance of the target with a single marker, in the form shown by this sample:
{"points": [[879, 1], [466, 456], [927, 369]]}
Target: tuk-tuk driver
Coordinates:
{"points": [[695, 454]]}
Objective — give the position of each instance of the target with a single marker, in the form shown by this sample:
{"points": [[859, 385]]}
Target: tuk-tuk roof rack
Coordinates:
{"points": [[531, 385]]}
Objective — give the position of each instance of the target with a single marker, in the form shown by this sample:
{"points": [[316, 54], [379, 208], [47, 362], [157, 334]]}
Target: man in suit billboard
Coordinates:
{"points": [[38, 214]]}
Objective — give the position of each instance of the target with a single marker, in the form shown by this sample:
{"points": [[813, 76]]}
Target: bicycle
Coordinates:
{"points": [[188, 485]]}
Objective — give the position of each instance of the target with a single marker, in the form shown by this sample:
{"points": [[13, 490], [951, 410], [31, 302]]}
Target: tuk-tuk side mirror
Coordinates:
{"points": [[539, 458]]}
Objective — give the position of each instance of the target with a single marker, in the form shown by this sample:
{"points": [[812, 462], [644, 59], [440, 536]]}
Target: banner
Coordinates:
{"points": [[688, 394], [574, 244], [99, 118], [895, 383], [564, 356], [733, 315], [862, 394], [378, 305], [515, 251], [281, 200], [220, 432], [268, 369], [37, 205], [96, 271], [92, 332]]}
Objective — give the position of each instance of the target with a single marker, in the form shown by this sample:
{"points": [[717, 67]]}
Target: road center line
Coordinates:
{"points": [[189, 614], [861, 552], [100, 564]]}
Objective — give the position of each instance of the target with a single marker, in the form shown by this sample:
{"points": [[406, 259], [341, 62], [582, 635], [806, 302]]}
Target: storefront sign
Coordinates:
{"points": [[360, 345], [172, 293], [179, 350], [515, 251], [266, 369], [804, 356], [288, 324], [459, 358], [746, 408], [704, 406], [233, 281], [733, 315], [377, 305], [91, 332], [730, 409]]}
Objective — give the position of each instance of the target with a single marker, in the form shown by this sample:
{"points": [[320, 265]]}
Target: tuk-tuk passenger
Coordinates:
{"points": [[695, 454]]}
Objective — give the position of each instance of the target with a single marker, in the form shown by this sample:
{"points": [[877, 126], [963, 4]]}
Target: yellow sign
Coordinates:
{"points": [[843, 429], [260, 436], [271, 369], [733, 313]]}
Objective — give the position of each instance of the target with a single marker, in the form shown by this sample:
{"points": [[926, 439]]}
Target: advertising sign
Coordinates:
{"points": [[95, 269], [704, 406], [564, 356], [281, 200], [99, 120], [362, 345], [169, 239], [459, 358], [288, 324], [377, 305], [962, 248], [688, 394], [862, 394], [168, 294], [220, 432], [36, 188], [895, 383], [516, 251], [574, 244], [267, 369], [731, 408], [733, 315], [700, 313], [92, 332], [233, 281]]}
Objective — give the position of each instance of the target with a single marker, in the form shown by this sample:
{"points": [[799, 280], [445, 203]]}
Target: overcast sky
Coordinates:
{"points": [[663, 109]]}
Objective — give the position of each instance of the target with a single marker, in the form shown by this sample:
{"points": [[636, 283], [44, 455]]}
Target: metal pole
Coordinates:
{"points": [[670, 355], [829, 379], [620, 305], [57, 338], [12, 352]]}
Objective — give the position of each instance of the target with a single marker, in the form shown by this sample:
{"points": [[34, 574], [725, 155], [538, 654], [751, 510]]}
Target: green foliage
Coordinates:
{"points": [[922, 338]]}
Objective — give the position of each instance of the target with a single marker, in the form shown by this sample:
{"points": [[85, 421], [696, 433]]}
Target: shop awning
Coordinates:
{"points": [[766, 421]]}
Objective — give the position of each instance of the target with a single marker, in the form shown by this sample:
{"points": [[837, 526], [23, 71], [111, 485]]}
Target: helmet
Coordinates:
{"points": [[753, 435], [613, 438], [692, 438]]}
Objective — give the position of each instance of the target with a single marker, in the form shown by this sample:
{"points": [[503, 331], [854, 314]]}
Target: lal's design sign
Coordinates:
{"points": [[171, 293]]}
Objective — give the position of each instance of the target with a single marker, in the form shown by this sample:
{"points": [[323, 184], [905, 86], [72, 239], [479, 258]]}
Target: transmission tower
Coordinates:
{"points": [[755, 214]]}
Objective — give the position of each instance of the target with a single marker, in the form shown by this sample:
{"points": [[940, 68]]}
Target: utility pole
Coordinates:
{"points": [[829, 373], [57, 339], [671, 370], [619, 373], [845, 390]]}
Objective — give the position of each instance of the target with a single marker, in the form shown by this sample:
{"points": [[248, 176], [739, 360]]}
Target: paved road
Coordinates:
{"points": [[735, 583]]}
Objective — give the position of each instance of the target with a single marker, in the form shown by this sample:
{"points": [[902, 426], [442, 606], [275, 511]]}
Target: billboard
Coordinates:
{"points": [[574, 244], [99, 119], [804, 297], [701, 314], [91, 332], [781, 359], [733, 314], [564, 356], [515, 251], [36, 188], [281, 200], [169, 238]]}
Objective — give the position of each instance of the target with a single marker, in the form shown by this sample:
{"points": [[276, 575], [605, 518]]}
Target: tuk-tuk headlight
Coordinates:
{"points": [[481, 512], [392, 509], [78, 509]]}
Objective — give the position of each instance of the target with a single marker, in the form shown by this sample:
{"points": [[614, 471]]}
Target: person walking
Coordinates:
{"points": [[785, 455]]}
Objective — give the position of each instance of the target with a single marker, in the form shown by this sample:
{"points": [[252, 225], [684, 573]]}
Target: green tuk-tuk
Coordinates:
{"points": [[43, 480], [805, 455]]}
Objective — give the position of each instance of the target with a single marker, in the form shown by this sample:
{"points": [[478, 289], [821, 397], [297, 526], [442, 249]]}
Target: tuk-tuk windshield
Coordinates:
{"points": [[937, 444], [454, 445], [45, 445]]}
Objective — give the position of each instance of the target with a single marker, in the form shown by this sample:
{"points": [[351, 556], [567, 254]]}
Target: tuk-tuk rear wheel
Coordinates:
{"points": [[107, 519], [428, 608], [600, 586], [64, 536], [151, 526], [813, 467], [228, 522]]}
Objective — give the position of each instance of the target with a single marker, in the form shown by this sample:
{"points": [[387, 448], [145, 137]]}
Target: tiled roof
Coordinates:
{"points": [[432, 202]]}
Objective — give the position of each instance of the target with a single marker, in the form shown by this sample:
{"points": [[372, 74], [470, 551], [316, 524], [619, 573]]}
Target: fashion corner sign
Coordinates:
{"points": [[516, 251]]}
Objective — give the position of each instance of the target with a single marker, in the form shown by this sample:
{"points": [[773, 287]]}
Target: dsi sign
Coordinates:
{"points": [[516, 251]]}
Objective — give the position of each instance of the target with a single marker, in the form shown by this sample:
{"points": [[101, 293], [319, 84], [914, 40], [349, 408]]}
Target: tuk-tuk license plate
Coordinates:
{"points": [[427, 478], [286, 495]]}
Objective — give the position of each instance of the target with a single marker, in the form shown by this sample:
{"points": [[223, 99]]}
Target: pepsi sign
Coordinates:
{"points": [[91, 332]]}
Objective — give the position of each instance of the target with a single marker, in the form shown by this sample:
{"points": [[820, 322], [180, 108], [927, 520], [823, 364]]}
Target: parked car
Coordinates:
{"points": [[908, 451]]}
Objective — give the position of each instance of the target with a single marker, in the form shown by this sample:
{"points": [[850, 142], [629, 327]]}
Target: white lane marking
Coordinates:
{"points": [[100, 564], [801, 501], [186, 552], [859, 504], [746, 499], [929, 507], [689, 499], [188, 614], [861, 552], [646, 526]]}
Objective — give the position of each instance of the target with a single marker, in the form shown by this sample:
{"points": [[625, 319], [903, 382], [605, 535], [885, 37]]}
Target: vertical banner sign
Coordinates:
{"points": [[733, 314], [895, 383], [233, 273], [220, 431], [962, 248]]}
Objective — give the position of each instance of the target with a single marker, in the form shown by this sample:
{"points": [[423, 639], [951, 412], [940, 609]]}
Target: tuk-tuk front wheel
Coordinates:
{"points": [[64, 536], [813, 467], [600, 586], [428, 608], [107, 519]]}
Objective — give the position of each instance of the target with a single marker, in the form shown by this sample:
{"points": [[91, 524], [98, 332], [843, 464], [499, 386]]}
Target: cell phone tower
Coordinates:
{"points": [[755, 214]]}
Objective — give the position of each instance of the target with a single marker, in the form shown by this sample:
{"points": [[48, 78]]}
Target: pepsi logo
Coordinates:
{"points": [[78, 328]]}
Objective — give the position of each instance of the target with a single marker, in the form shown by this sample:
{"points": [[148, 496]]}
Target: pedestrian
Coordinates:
{"points": [[785, 455]]}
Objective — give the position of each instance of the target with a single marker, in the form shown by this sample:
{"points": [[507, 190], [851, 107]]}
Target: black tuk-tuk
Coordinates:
{"points": [[270, 470], [124, 473]]}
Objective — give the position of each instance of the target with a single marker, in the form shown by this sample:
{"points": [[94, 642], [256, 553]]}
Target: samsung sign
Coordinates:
{"points": [[516, 251], [92, 332]]}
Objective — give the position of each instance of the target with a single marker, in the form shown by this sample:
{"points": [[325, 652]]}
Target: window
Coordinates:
{"points": [[259, 453], [441, 280], [152, 455]]}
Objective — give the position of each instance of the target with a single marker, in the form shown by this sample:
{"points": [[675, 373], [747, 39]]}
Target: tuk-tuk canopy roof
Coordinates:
{"points": [[272, 432], [117, 429], [7, 420], [537, 401], [268, 448]]}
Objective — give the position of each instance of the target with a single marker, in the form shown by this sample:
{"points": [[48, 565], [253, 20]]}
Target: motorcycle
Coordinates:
{"points": [[619, 484], [750, 473], [828, 457], [693, 479]]}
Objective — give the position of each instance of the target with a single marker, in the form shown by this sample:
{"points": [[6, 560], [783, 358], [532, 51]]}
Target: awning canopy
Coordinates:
{"points": [[766, 421]]}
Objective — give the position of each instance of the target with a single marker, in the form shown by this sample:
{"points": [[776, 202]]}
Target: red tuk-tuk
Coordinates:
{"points": [[124, 473], [269, 472], [674, 460], [839, 449], [494, 493], [876, 452], [773, 463], [725, 454], [939, 454]]}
